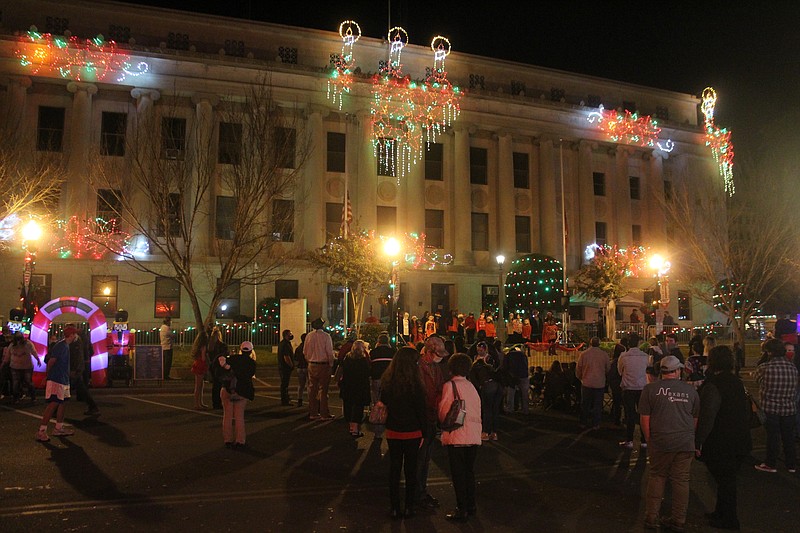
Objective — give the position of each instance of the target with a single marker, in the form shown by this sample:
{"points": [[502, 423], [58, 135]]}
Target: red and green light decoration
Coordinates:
{"points": [[90, 239], [534, 281], [630, 261], [76, 59], [419, 255], [718, 139], [729, 294], [630, 128]]}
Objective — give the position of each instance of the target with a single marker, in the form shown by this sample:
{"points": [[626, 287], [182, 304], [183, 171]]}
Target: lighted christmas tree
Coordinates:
{"points": [[534, 282]]}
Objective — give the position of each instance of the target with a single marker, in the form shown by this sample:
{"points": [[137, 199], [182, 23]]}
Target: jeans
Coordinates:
{"points": [[780, 428], [232, 413], [674, 466], [491, 398], [20, 378], [630, 399], [319, 379], [591, 406], [286, 374], [462, 470], [523, 386], [403, 456], [424, 460], [302, 379]]}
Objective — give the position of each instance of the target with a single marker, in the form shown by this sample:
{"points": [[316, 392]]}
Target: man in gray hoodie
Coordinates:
{"points": [[632, 366]]}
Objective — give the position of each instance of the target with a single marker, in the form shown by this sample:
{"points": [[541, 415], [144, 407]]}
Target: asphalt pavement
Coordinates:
{"points": [[151, 461]]}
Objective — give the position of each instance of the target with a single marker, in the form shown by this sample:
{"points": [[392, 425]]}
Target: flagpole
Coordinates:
{"points": [[345, 228], [565, 319]]}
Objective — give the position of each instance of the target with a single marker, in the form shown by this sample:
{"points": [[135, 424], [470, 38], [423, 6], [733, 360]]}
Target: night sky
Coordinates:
{"points": [[748, 53]]}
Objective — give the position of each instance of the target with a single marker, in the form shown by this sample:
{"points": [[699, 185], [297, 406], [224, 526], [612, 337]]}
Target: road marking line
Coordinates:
{"points": [[177, 408]]}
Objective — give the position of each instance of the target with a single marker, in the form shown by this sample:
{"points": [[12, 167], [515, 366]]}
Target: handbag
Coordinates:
{"points": [[457, 413], [378, 414], [757, 415]]}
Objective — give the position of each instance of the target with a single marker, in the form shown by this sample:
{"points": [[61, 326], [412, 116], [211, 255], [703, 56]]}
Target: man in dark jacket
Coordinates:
{"points": [[285, 364], [722, 439], [77, 365], [516, 363]]}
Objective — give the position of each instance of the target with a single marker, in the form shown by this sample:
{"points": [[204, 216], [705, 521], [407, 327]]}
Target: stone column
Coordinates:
{"points": [[202, 154], [548, 217], [365, 200], [411, 200], [309, 197], [504, 194], [654, 194], [144, 146], [460, 214], [622, 192], [80, 195], [585, 195], [15, 102]]}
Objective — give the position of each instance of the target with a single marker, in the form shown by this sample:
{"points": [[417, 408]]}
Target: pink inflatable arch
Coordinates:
{"points": [[98, 332]]}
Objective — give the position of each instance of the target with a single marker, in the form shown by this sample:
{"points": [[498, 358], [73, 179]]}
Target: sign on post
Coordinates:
{"points": [[148, 363]]}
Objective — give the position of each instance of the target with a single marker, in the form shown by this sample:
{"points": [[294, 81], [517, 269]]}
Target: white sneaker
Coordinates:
{"points": [[626, 444], [643, 445], [63, 432], [41, 436]]}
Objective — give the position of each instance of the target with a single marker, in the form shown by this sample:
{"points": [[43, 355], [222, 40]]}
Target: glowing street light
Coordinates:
{"points": [[501, 259], [392, 249], [661, 267], [31, 231]]}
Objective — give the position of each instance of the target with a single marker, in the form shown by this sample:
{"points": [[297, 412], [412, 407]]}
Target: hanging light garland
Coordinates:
{"points": [[90, 239], [418, 255], [631, 260], [718, 139], [341, 79], [76, 59], [630, 128]]}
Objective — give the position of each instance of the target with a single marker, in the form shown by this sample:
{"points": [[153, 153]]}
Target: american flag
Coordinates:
{"points": [[347, 215]]}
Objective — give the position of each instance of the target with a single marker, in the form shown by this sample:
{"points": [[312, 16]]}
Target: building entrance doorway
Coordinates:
{"points": [[443, 298]]}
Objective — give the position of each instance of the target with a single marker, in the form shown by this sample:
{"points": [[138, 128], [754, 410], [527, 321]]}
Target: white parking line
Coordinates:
{"points": [[177, 408]]}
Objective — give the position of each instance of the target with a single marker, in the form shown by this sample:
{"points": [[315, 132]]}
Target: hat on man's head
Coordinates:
{"points": [[317, 323], [670, 363], [69, 331], [246, 346]]}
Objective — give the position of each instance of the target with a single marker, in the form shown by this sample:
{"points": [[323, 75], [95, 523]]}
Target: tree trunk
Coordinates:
{"points": [[611, 319]]}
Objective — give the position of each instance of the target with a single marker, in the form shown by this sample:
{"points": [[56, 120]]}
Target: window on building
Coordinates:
{"points": [[478, 164], [667, 191], [173, 216], [283, 220], [178, 41], [104, 293], [337, 144], [434, 227], [662, 112], [285, 144], [167, 298], [385, 161], [480, 231], [387, 220], [333, 219], [684, 305], [41, 288], [577, 312], [109, 206], [112, 133], [50, 129], [636, 235], [225, 217], [287, 289], [599, 180], [522, 229], [635, 186], [229, 146], [230, 300], [434, 162], [522, 169], [600, 233], [173, 137]]}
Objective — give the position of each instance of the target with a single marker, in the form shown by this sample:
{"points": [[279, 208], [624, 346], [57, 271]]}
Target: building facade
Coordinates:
{"points": [[494, 183]]}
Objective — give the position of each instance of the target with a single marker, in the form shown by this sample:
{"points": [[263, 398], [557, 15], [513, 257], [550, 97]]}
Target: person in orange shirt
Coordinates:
{"points": [[430, 326], [491, 330], [527, 330]]}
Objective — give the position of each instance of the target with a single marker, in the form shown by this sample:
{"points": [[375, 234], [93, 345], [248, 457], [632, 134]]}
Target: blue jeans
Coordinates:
{"points": [[780, 428], [591, 406], [491, 398], [523, 386]]}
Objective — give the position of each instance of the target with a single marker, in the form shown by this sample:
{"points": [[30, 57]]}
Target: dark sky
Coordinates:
{"points": [[749, 53]]}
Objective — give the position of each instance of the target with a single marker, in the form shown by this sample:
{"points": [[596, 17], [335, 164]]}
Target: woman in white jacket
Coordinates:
{"points": [[462, 443]]}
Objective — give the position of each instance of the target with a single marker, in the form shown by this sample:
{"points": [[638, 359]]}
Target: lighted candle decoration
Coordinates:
{"points": [[718, 139], [76, 59], [341, 79]]}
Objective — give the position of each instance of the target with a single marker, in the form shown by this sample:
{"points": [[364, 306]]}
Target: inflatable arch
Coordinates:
{"points": [[98, 332]]}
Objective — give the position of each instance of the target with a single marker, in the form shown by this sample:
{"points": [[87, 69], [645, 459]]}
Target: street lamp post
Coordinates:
{"points": [[392, 249], [31, 232], [501, 296], [661, 266]]}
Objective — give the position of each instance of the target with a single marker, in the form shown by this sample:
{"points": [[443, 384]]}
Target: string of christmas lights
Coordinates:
{"points": [[718, 139], [632, 260], [419, 255], [630, 128], [534, 282], [89, 239], [341, 79], [76, 59]]}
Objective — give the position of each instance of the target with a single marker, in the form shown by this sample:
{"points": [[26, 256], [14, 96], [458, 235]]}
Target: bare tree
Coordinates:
{"points": [[733, 253], [174, 183]]}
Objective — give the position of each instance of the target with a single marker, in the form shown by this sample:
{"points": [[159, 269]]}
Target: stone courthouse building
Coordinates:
{"points": [[492, 183]]}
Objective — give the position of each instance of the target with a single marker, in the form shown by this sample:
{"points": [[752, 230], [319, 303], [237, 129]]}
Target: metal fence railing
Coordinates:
{"points": [[264, 334]]}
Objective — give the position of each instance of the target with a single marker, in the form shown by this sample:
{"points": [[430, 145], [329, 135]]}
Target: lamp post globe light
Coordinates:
{"points": [[392, 250], [31, 232], [501, 296]]}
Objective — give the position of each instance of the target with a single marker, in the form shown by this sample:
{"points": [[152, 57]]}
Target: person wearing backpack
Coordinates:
{"points": [[236, 376], [462, 443]]}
